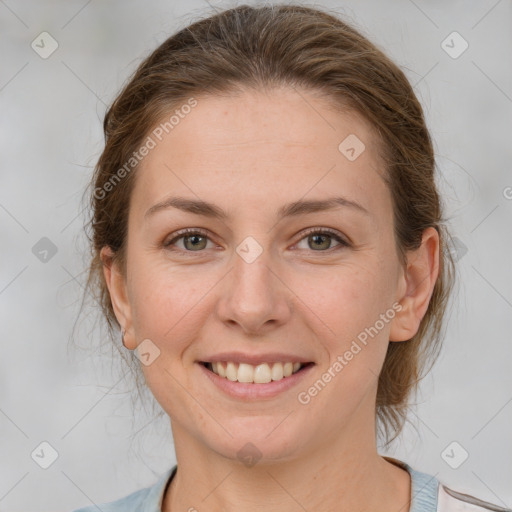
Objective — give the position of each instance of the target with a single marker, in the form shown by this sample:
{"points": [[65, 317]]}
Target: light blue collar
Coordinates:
{"points": [[424, 489]]}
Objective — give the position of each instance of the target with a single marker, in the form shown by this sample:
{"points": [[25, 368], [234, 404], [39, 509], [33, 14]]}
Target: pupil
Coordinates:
{"points": [[319, 238], [316, 237], [196, 239]]}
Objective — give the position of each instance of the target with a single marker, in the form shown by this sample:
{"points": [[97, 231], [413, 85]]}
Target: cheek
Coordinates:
{"points": [[168, 303], [347, 299], [346, 306], [153, 295], [167, 309]]}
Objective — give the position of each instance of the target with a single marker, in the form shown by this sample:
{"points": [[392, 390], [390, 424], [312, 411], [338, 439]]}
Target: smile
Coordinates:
{"points": [[257, 374]]}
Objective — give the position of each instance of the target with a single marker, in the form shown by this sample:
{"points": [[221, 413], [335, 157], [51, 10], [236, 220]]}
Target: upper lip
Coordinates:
{"points": [[255, 359]]}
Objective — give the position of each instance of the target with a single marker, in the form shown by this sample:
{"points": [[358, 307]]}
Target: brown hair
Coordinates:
{"points": [[297, 46]]}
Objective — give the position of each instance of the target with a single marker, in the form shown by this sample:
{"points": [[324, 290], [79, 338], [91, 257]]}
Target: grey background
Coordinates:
{"points": [[51, 114]]}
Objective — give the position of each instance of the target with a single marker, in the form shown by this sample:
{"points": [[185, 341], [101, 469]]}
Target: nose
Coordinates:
{"points": [[254, 295]]}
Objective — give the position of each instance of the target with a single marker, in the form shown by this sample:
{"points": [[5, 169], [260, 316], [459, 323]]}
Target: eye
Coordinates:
{"points": [[321, 239], [195, 239]]}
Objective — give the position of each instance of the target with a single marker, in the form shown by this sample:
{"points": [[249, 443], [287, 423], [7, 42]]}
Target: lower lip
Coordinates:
{"points": [[252, 391]]}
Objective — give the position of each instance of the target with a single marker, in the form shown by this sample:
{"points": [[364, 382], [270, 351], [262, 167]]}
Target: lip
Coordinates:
{"points": [[252, 391], [254, 359]]}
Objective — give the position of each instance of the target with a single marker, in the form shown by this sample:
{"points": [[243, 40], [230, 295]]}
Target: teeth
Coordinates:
{"points": [[262, 374], [231, 371], [277, 372], [246, 373], [220, 370], [259, 374]]}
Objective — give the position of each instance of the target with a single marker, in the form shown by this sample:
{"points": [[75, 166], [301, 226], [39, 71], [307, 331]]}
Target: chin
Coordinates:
{"points": [[259, 442]]}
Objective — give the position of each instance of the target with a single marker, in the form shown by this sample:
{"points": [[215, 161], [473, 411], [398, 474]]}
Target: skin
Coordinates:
{"points": [[250, 154]]}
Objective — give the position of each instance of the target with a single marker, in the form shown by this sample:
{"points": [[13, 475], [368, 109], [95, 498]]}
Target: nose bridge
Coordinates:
{"points": [[253, 295]]}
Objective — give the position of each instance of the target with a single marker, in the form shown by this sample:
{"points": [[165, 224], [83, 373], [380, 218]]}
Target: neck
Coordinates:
{"points": [[341, 473]]}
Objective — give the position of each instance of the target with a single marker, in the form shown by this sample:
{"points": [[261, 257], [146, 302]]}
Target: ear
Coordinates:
{"points": [[118, 295], [416, 286]]}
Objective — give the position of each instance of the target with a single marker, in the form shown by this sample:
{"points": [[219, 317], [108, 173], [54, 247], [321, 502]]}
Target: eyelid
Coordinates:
{"points": [[187, 231], [341, 239]]}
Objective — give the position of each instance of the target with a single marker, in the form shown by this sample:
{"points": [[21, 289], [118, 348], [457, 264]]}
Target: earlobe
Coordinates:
{"points": [[116, 284], [416, 286]]}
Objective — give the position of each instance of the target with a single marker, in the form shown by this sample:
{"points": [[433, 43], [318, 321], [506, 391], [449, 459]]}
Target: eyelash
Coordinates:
{"points": [[316, 231]]}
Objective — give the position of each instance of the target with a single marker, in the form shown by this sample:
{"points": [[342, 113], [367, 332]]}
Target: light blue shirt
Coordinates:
{"points": [[424, 494]]}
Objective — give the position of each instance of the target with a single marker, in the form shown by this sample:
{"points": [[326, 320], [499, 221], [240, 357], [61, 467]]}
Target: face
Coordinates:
{"points": [[266, 281]]}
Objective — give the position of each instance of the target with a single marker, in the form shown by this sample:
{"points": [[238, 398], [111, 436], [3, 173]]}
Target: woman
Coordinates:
{"points": [[268, 236]]}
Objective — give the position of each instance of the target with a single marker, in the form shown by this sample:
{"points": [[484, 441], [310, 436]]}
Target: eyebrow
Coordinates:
{"points": [[296, 208]]}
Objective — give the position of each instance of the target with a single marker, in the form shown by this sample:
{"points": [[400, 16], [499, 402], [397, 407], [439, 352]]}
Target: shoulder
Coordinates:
{"points": [[428, 494], [449, 500]]}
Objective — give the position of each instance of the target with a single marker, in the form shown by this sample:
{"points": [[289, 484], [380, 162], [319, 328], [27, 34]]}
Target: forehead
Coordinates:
{"points": [[255, 149]]}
